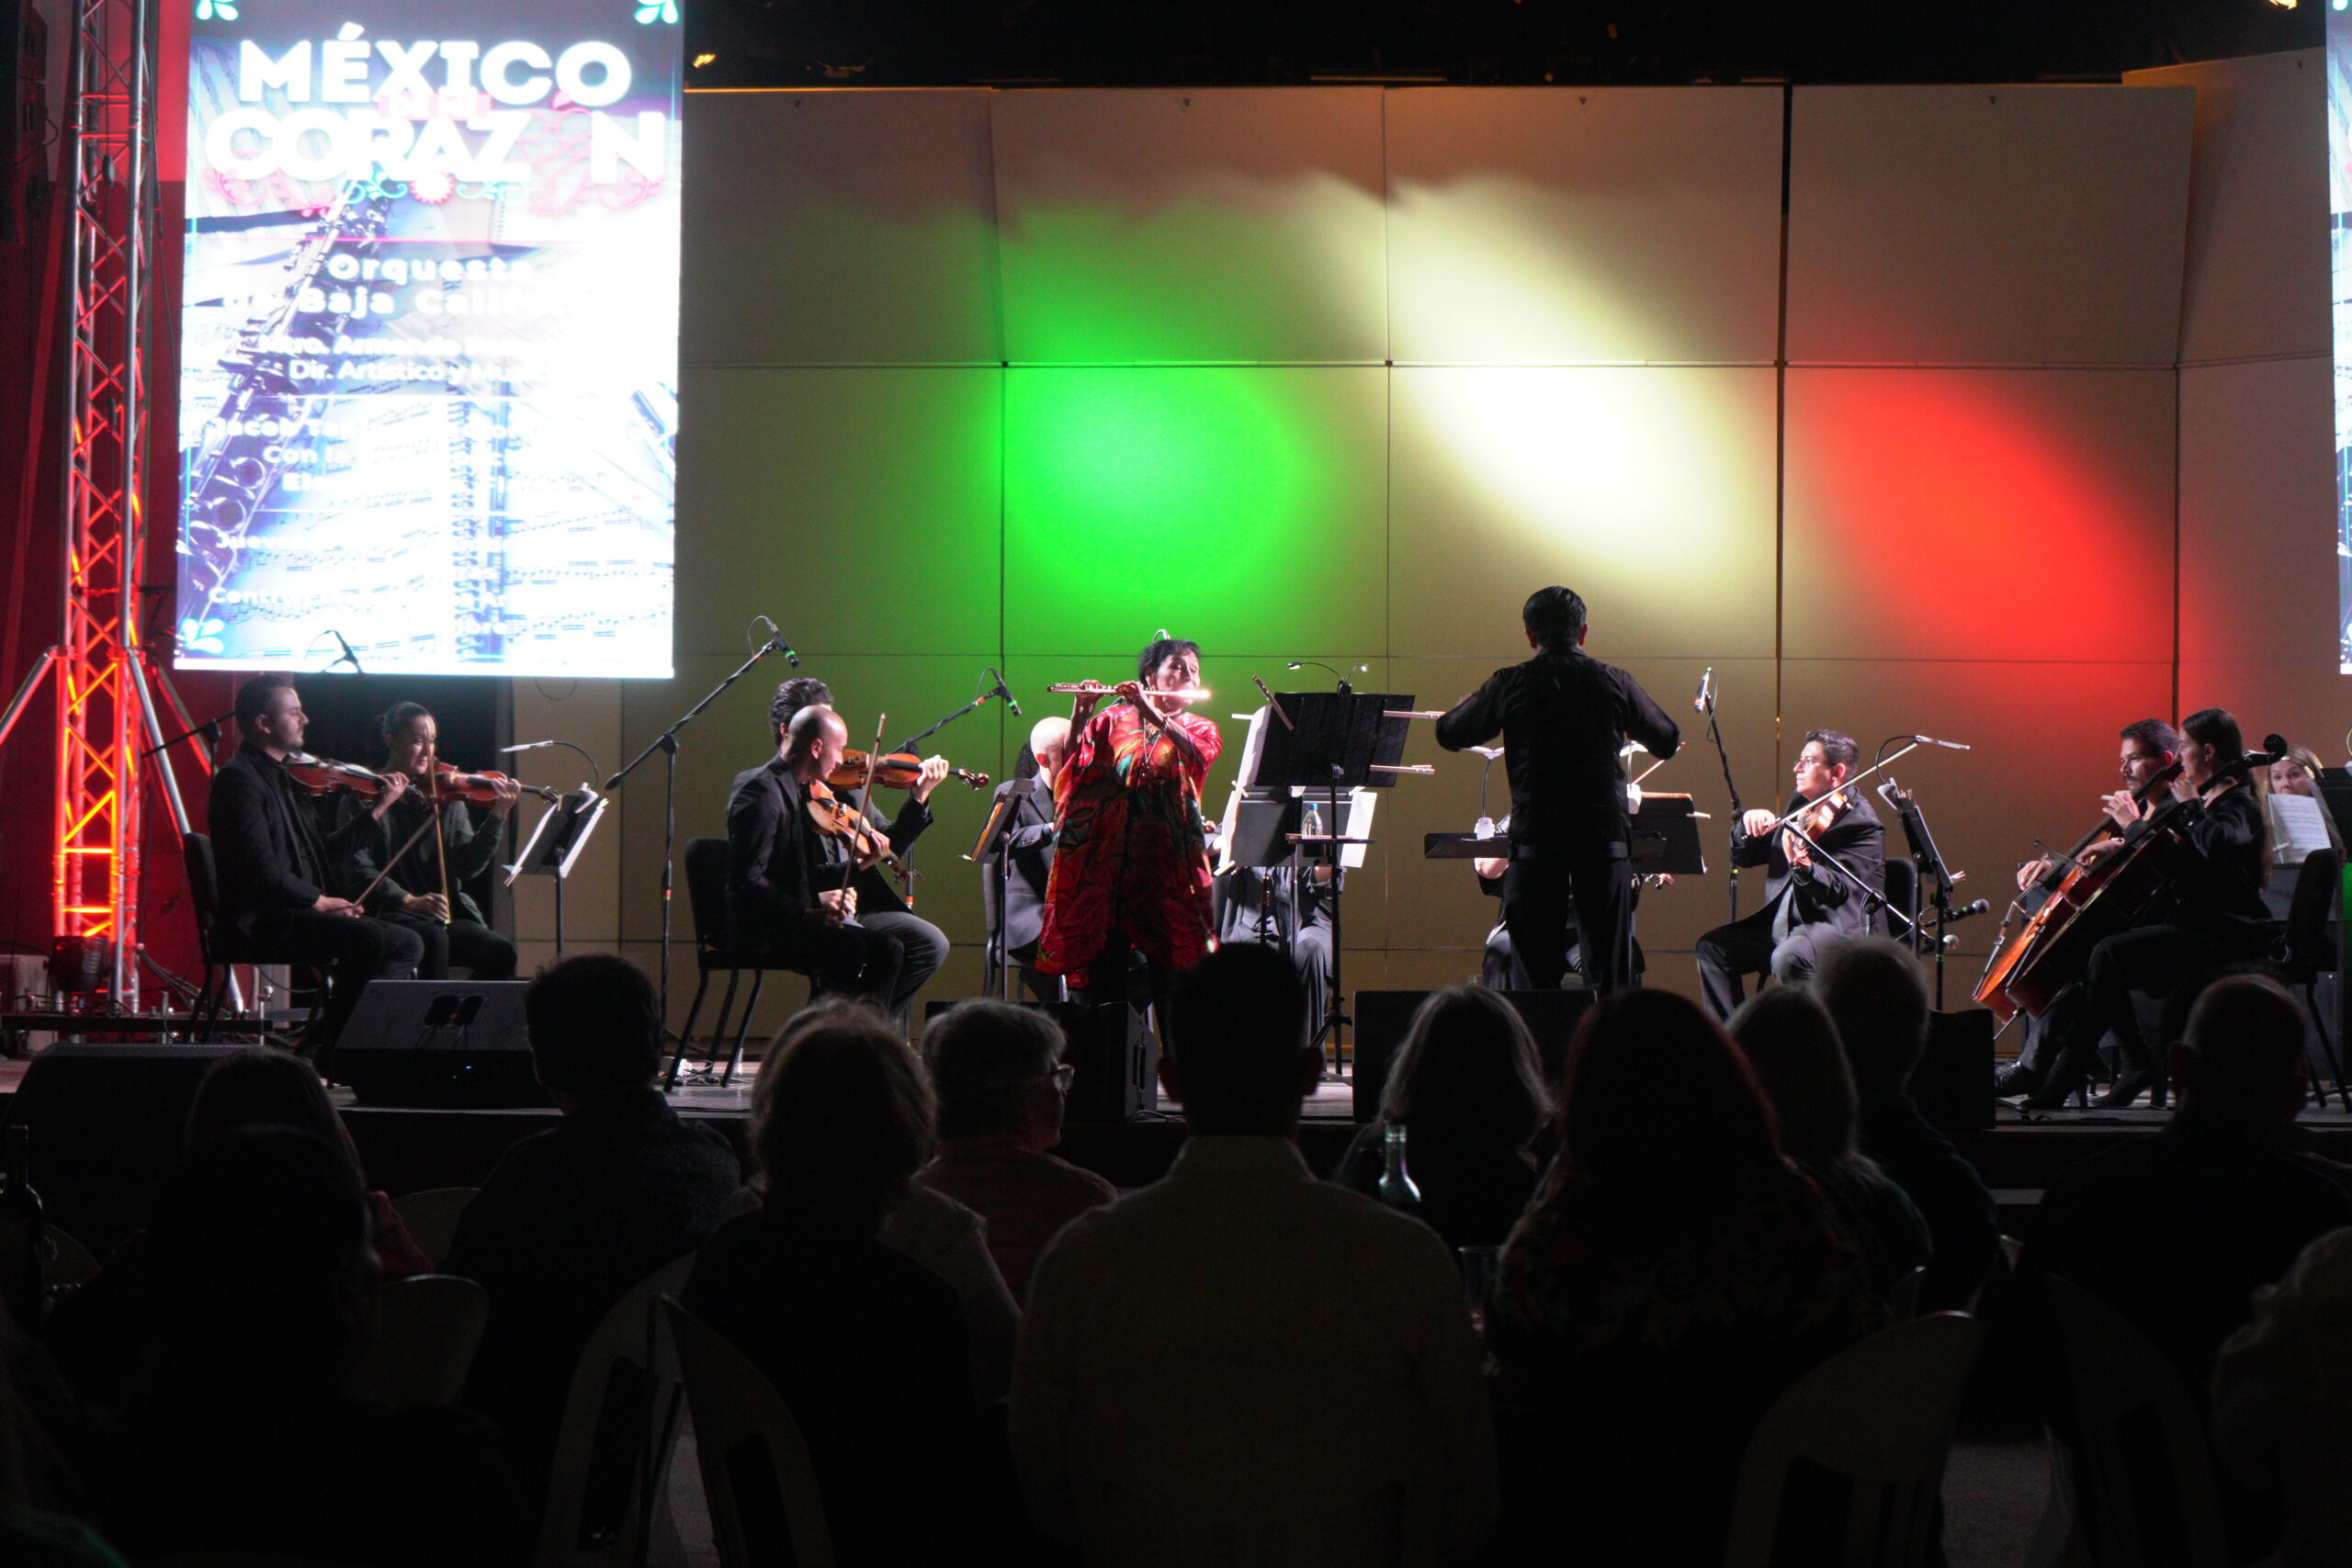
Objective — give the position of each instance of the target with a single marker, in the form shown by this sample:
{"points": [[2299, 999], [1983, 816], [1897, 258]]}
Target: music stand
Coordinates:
{"points": [[1665, 837], [1335, 741], [554, 844]]}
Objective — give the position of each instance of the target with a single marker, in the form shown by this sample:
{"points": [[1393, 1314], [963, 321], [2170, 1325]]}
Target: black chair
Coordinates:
{"points": [[2305, 953], [220, 952], [1902, 893], [706, 899]]}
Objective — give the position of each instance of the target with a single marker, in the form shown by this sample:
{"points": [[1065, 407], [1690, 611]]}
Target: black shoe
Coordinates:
{"points": [[2128, 1087], [2015, 1080]]}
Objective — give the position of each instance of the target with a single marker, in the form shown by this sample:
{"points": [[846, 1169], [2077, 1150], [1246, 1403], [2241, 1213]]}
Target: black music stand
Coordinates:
{"points": [[556, 842], [1336, 742]]}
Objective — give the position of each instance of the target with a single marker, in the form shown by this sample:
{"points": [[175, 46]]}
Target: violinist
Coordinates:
{"points": [[880, 904], [792, 891], [2209, 913], [1131, 862], [1805, 908], [278, 870], [424, 889], [1565, 717]]}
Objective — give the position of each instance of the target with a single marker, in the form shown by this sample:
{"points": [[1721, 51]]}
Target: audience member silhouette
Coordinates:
{"points": [[1239, 1350], [38, 1489], [1788, 1040], [259, 1087], [867, 1348], [1467, 1087], [2282, 1386], [244, 1438], [1675, 1275], [97, 1332], [999, 1074], [571, 1218], [2177, 1230], [1874, 994]]}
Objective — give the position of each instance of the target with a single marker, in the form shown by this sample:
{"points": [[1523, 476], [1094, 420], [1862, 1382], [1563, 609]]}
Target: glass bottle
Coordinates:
{"points": [[1396, 1189]]}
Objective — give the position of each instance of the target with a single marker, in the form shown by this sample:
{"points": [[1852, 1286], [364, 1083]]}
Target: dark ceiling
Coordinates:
{"points": [[1202, 42]]}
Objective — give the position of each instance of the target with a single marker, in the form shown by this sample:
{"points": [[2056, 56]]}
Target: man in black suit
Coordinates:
{"points": [[1028, 836], [1565, 717], [1806, 906], [787, 895], [277, 868]]}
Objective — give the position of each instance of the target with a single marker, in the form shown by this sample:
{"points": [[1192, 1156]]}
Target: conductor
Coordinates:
{"points": [[1565, 717]]}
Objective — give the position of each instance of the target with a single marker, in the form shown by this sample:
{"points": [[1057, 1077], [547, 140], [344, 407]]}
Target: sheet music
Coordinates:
{"points": [[2297, 828]]}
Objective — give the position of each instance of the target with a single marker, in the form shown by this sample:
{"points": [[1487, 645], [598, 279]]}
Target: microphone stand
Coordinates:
{"points": [[667, 743], [1715, 734], [210, 729]]}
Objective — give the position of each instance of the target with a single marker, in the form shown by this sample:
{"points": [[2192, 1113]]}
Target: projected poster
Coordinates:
{"points": [[2339, 201], [428, 395]]}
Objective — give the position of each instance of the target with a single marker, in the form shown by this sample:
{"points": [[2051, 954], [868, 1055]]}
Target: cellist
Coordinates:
{"points": [[2209, 913], [2149, 747]]}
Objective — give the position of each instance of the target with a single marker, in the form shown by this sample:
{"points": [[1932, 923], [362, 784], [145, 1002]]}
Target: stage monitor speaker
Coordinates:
{"points": [[106, 1124], [438, 1043], [1383, 1017], [1953, 1083], [1116, 1057]]}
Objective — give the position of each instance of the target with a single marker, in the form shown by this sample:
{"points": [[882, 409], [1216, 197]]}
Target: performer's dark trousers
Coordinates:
{"points": [[1541, 890], [485, 954], [1746, 947], [2151, 961], [1108, 979], [922, 944], [352, 950], [858, 960]]}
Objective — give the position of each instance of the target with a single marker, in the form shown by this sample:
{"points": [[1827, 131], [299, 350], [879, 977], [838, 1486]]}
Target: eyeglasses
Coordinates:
{"points": [[1063, 1077]]}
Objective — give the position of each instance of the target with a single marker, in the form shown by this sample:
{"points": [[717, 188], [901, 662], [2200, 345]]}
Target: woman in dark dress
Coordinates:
{"points": [[1468, 1090], [424, 890]]}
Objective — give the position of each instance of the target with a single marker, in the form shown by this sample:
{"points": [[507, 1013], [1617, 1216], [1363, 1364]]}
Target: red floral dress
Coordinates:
{"points": [[1130, 852]]}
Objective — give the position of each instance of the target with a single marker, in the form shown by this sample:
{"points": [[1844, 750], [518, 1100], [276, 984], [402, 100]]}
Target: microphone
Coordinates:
{"points": [[1947, 745], [778, 644], [527, 746], [1706, 691], [1005, 691], [1981, 907], [348, 657]]}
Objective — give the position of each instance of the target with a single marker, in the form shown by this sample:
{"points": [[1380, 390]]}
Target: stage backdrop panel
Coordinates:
{"points": [[2259, 571], [1648, 490], [2258, 206], [860, 508], [2044, 752], [1243, 507], [850, 226], [1602, 225], [1194, 225], [1978, 513], [2020, 225]]}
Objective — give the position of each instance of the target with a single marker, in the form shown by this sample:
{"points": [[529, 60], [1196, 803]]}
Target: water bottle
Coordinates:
{"points": [[1396, 1189], [1311, 826]]}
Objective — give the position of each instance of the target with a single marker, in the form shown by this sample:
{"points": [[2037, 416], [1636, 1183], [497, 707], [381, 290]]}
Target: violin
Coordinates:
{"points": [[448, 784], [898, 770], [837, 818], [323, 775]]}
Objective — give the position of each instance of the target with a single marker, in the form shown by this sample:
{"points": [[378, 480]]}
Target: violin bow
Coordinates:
{"points": [[395, 857], [866, 795], [440, 839]]}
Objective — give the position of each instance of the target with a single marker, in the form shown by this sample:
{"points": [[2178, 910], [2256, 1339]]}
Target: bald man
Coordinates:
{"points": [[786, 899], [1029, 837]]}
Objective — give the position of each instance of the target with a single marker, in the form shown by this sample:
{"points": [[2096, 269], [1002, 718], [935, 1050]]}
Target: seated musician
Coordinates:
{"points": [[423, 864], [788, 899], [1028, 836], [280, 896], [2149, 747], [2209, 913], [1806, 906], [1254, 906], [880, 906]]}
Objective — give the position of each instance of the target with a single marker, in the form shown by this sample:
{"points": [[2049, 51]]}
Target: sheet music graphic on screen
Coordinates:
{"points": [[428, 339]]}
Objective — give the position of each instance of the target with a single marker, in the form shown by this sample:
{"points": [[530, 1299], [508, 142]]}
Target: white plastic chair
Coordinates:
{"points": [[427, 1328], [70, 1263], [1876, 1421], [619, 1423], [430, 1216], [740, 1420], [2139, 1469], [1903, 1296]]}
